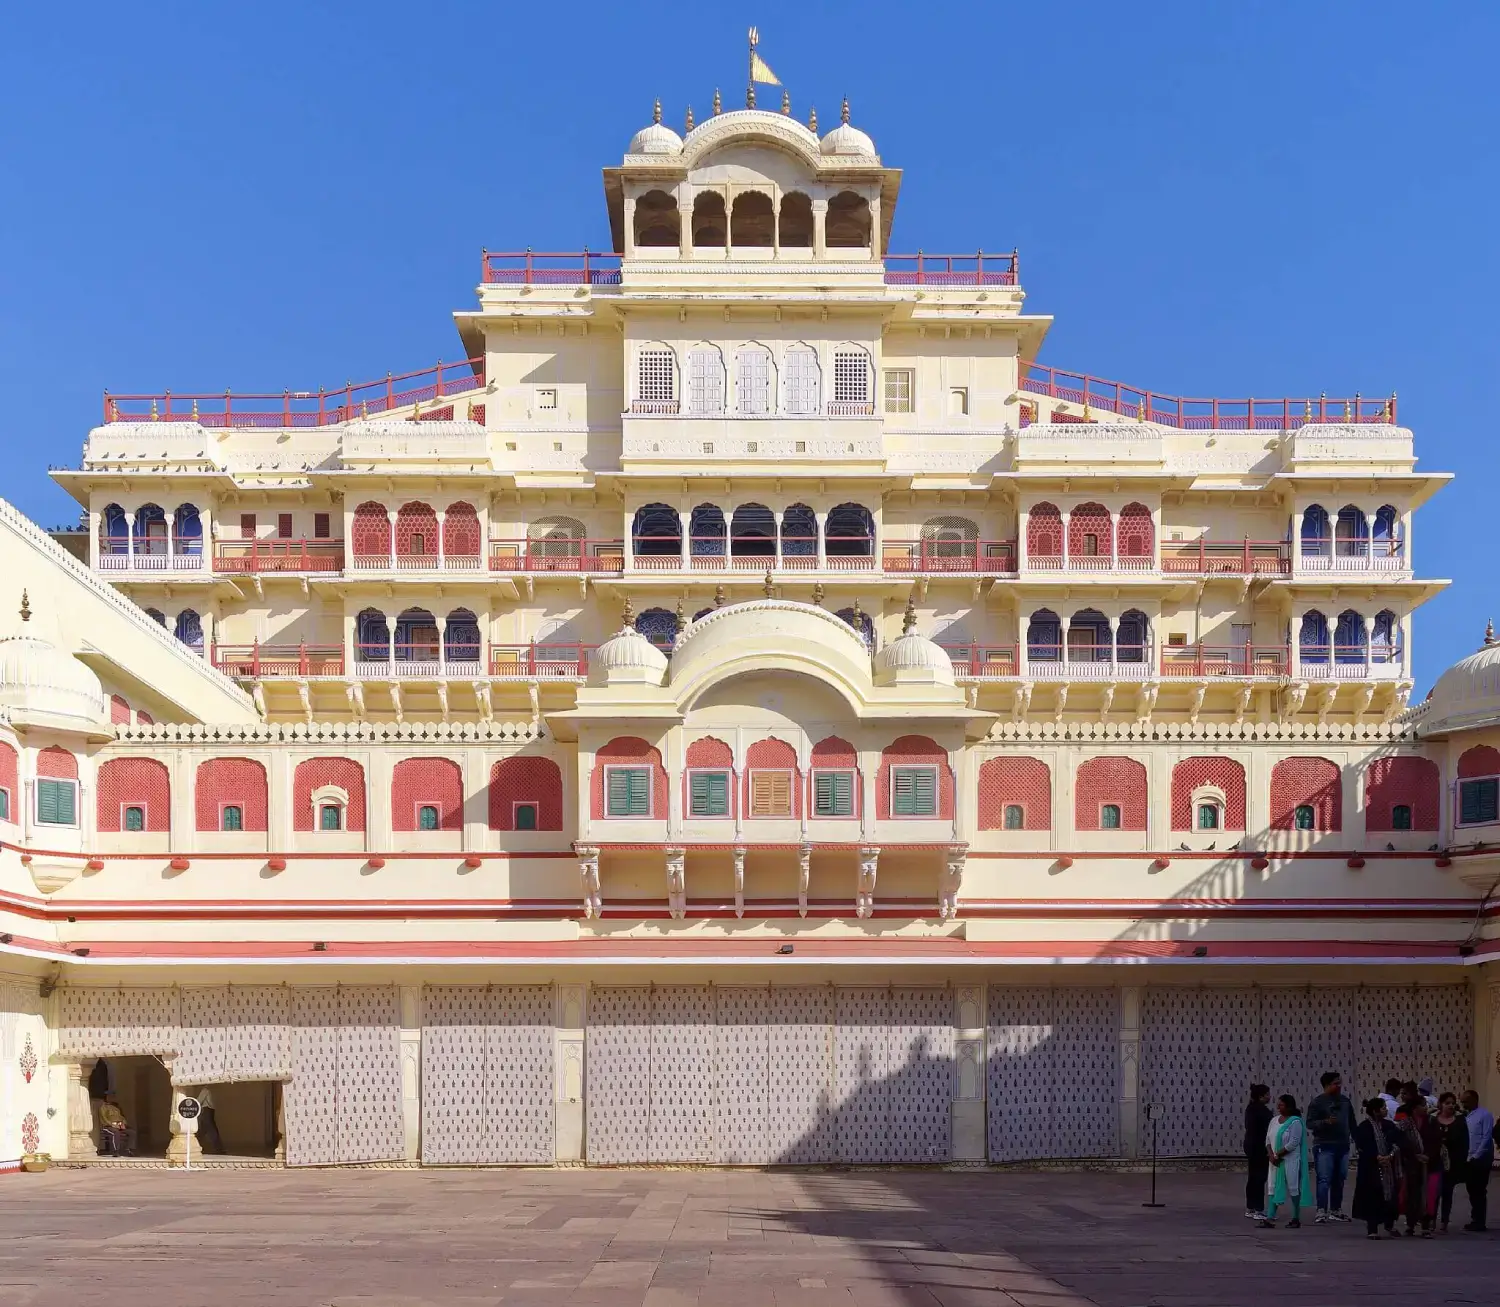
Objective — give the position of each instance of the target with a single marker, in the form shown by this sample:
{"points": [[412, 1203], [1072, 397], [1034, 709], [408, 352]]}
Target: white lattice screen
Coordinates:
{"points": [[119, 1022]]}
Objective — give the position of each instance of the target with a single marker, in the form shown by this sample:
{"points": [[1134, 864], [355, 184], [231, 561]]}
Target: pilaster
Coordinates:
{"points": [[1130, 1070], [411, 1066], [969, 1125], [572, 1014], [80, 1115]]}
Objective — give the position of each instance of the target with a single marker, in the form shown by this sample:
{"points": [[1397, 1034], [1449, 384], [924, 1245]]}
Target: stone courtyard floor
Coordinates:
{"points": [[663, 1238]]}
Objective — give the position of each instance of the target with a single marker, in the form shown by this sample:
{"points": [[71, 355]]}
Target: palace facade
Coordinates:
{"points": [[749, 709]]}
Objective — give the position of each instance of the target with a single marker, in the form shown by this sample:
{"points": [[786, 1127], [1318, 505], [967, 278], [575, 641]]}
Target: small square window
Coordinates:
{"points": [[1401, 816], [525, 816], [1109, 817], [833, 794], [1015, 817], [898, 390], [546, 398], [330, 817], [283, 526], [1208, 816], [1090, 544], [321, 526], [1478, 801], [427, 817], [708, 794], [913, 791], [1305, 818], [628, 791], [135, 818], [232, 817], [1176, 640], [4, 805], [57, 802]]}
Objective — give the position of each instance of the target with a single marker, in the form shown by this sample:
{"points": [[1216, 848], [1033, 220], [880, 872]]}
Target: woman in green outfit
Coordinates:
{"points": [[1286, 1147]]}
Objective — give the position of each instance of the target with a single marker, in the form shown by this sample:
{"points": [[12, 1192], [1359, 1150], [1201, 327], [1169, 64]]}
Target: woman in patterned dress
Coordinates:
{"points": [[1377, 1179]]}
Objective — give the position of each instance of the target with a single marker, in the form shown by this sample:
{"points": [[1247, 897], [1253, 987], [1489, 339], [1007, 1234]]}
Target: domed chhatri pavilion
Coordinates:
{"points": [[749, 709]]}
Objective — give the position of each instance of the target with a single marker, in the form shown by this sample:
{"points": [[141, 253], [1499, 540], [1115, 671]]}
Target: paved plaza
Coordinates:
{"points": [[459, 1238]]}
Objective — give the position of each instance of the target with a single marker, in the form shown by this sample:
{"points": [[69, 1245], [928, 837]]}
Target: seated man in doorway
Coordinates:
{"points": [[114, 1131]]}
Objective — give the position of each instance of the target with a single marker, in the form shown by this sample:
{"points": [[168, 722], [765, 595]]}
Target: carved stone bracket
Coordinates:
{"points": [[739, 882], [677, 882], [869, 862], [588, 867], [953, 878], [804, 876]]}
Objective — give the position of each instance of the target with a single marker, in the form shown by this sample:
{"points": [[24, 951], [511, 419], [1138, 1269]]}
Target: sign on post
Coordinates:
{"points": [[188, 1109]]}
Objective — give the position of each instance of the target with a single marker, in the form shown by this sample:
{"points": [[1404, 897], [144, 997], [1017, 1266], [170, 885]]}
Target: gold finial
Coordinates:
{"points": [[719, 596], [769, 587], [750, 96], [909, 618], [364, 408], [1087, 415], [26, 609], [818, 594], [688, 123], [844, 112], [195, 410], [812, 120], [470, 410], [1346, 410], [656, 111], [1307, 411], [718, 103], [627, 615], [416, 412], [786, 102], [154, 414], [858, 615], [1489, 626], [681, 614]]}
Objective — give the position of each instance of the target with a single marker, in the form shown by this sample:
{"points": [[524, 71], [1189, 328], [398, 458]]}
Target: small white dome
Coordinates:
{"points": [[1468, 693], [627, 656], [913, 658], [656, 137], [845, 139], [36, 677]]}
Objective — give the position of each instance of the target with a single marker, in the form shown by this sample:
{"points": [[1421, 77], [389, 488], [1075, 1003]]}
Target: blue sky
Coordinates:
{"points": [[1258, 199]]}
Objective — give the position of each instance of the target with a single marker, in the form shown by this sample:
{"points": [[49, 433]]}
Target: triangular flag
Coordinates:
{"points": [[760, 71]]}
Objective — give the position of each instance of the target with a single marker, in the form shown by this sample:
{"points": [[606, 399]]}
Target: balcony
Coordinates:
{"points": [[1375, 662], [1131, 662], [599, 556], [1357, 555], [417, 661], [540, 662], [1237, 661], [262, 557], [708, 554], [1105, 562], [416, 562], [152, 557], [1204, 557], [939, 557], [977, 662], [255, 662]]}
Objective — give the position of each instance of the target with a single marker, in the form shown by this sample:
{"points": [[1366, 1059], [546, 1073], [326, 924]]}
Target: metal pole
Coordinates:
{"points": [[1153, 1111]]}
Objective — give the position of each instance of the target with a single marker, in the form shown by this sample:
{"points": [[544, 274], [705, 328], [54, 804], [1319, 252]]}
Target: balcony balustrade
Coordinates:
{"points": [[1101, 562], [1052, 662], [752, 554], [1378, 662], [1204, 557], [1367, 554], [939, 556], [256, 557], [416, 661], [153, 556], [557, 555], [263, 661], [416, 562], [528, 662], [1242, 661]]}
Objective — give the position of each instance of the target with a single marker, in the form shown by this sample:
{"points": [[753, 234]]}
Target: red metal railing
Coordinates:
{"points": [[557, 555], [530, 268], [949, 555], [301, 408], [258, 661], [540, 661], [1114, 397], [979, 662], [1241, 660], [1203, 557], [254, 556], [978, 269]]}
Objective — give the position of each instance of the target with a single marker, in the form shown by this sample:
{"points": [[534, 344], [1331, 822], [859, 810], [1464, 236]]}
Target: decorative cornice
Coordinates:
{"points": [[1392, 732], [310, 732]]}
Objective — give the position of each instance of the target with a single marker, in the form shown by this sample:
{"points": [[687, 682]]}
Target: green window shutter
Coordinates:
{"points": [[833, 794], [4, 805], [913, 792], [709, 794], [526, 816], [57, 803], [234, 818], [629, 792], [46, 802]]}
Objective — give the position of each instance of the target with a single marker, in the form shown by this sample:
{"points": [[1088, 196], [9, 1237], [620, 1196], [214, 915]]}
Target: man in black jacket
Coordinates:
{"points": [[1330, 1122], [1258, 1116]]}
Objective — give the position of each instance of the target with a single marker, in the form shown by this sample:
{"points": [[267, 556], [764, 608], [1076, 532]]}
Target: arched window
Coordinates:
{"points": [[705, 381], [795, 225], [659, 625], [1349, 638], [461, 533], [1137, 533], [803, 380], [1385, 636], [1110, 783], [319, 784], [114, 531], [416, 531], [1044, 637], [370, 533], [1044, 535], [550, 539], [1317, 532], [1133, 637], [1312, 640], [134, 794], [1401, 816], [157, 616], [1387, 527], [754, 381], [753, 532], [1089, 536], [657, 222], [461, 638], [658, 531], [709, 225], [950, 541], [752, 221], [372, 636], [707, 528], [1088, 637], [1305, 818], [150, 530], [187, 529], [799, 536], [862, 624], [1213, 780], [189, 630], [850, 532], [852, 384], [1015, 793], [847, 224], [417, 636], [1403, 792], [655, 380], [1351, 533], [1015, 816]]}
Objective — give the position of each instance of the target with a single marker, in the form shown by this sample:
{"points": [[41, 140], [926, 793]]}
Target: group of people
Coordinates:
{"points": [[1411, 1151]]}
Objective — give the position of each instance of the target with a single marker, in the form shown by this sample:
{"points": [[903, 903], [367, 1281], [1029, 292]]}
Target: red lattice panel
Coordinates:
{"points": [[419, 781], [773, 755], [413, 521], [1003, 781], [134, 782], [1403, 779], [526, 778], [1044, 533], [913, 750], [56, 764], [461, 534], [1191, 773], [1089, 519], [119, 711], [1314, 781], [1481, 760], [237, 781], [1120, 781], [1137, 532], [370, 532], [10, 777], [628, 749], [315, 773]]}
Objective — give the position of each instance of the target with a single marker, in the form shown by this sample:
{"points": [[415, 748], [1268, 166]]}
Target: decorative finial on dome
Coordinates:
{"points": [[656, 111], [1489, 627], [769, 587], [719, 596], [687, 125], [627, 615], [812, 119], [26, 610], [750, 96], [681, 614], [844, 112], [818, 595], [909, 618], [718, 102], [858, 615], [786, 102]]}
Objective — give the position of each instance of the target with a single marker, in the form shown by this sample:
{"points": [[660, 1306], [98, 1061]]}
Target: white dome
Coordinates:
{"points": [[36, 677], [1468, 693], [656, 137], [913, 658], [627, 656], [845, 139]]}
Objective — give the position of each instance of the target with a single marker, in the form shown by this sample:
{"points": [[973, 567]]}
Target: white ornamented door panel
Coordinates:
{"points": [[800, 1125], [618, 1076], [370, 1126], [520, 1076], [919, 1094], [682, 1043], [862, 1067], [455, 1020], [1019, 1081], [742, 1076], [1086, 1094], [311, 1102]]}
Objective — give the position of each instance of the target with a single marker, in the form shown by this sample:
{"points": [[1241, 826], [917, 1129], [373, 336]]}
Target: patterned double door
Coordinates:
{"points": [[756, 1075]]}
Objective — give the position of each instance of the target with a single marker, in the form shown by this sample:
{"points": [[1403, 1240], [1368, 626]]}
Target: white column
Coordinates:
{"points": [[170, 519], [1114, 539], [1064, 655], [390, 631], [820, 228], [1131, 1141], [1366, 626], [778, 514], [442, 515], [822, 518], [630, 226], [1114, 641], [80, 1114], [390, 530], [629, 536], [130, 539], [1066, 518], [685, 517], [411, 1069], [1370, 514]]}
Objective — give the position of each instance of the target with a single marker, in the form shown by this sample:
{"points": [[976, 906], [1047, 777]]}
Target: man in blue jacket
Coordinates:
{"points": [[1330, 1122]]}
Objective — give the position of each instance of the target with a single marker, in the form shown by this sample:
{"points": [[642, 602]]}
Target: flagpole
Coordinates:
{"points": [[750, 79]]}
